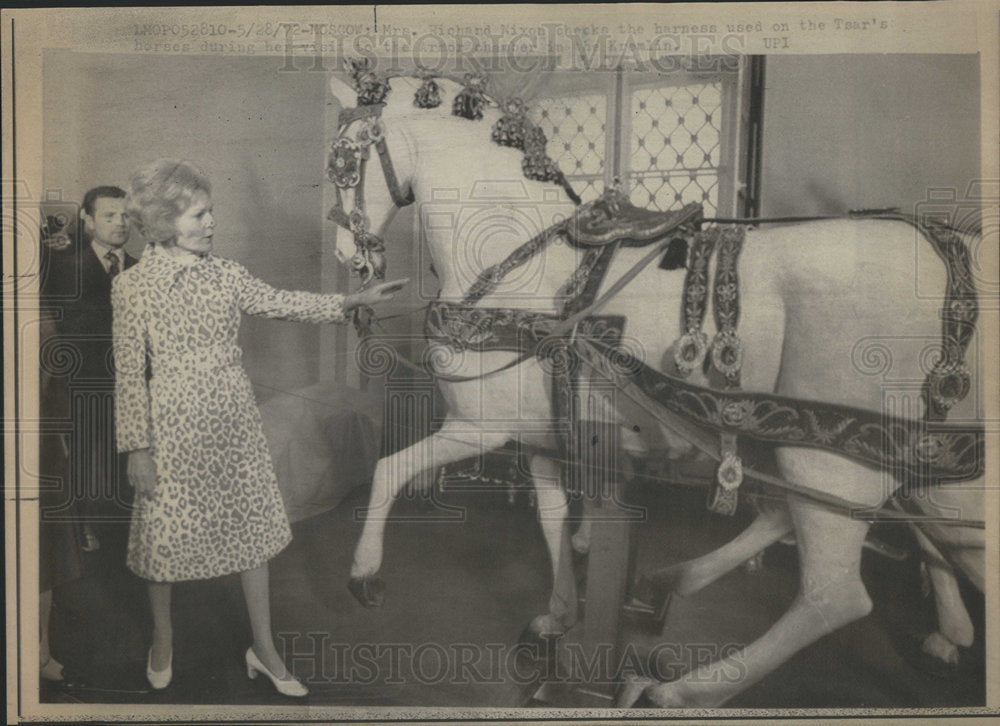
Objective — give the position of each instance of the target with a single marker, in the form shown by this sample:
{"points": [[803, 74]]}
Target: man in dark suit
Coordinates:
{"points": [[76, 290]]}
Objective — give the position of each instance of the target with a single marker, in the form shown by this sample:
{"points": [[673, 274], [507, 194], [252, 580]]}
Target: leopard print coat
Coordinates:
{"points": [[216, 508]]}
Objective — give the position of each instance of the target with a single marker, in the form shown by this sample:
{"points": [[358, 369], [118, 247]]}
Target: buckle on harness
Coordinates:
{"points": [[690, 351]]}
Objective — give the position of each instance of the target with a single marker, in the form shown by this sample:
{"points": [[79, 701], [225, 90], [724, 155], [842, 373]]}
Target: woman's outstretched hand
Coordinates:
{"points": [[375, 294]]}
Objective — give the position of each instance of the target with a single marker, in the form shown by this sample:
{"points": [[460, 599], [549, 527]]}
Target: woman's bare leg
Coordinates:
{"points": [[163, 632], [50, 668], [257, 592]]}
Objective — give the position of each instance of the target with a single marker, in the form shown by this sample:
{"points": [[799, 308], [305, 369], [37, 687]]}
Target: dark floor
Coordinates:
{"points": [[464, 577]]}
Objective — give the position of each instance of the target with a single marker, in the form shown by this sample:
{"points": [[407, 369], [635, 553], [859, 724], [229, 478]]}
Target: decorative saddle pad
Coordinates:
{"points": [[612, 218]]}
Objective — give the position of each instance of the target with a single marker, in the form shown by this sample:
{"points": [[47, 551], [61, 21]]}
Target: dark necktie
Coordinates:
{"points": [[114, 267]]}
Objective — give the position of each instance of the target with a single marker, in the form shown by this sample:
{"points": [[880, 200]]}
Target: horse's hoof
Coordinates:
{"points": [[538, 653], [941, 658], [937, 668], [369, 590], [656, 596], [644, 701], [534, 639], [938, 646]]}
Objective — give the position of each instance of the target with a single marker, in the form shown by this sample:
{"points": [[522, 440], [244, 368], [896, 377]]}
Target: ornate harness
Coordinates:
{"points": [[921, 452], [345, 167]]}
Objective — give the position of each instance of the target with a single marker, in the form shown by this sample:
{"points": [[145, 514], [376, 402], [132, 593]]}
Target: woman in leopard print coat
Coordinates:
{"points": [[207, 501]]}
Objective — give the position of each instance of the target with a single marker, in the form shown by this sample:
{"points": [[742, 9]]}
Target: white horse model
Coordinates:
{"points": [[811, 295]]}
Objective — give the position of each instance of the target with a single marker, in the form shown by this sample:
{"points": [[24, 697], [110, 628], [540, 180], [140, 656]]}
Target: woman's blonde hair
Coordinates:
{"points": [[160, 192]]}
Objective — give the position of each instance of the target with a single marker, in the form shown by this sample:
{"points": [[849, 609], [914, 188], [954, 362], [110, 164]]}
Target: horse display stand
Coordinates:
{"points": [[593, 642]]}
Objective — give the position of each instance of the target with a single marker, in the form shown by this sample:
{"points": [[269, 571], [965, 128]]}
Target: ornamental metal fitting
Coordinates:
{"points": [[948, 383], [369, 262], [428, 95], [372, 88], [358, 262], [736, 413], [514, 106], [358, 222], [690, 351], [372, 132], [730, 474], [343, 166], [929, 448], [727, 353], [378, 263]]}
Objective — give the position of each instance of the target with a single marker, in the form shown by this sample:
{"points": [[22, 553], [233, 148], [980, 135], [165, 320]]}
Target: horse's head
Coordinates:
{"points": [[476, 162], [370, 163]]}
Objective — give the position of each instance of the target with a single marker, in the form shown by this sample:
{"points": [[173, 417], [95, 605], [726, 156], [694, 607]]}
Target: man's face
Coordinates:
{"points": [[108, 225]]}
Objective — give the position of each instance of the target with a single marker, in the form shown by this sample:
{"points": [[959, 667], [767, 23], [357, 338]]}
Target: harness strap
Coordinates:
{"points": [[568, 188], [727, 349], [570, 229], [391, 181], [347, 116], [690, 350], [359, 196], [560, 327], [708, 444], [337, 213], [887, 212], [921, 451], [489, 278], [727, 357], [586, 280], [949, 381]]}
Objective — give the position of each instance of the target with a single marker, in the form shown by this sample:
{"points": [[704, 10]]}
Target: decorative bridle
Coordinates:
{"points": [[346, 166]]}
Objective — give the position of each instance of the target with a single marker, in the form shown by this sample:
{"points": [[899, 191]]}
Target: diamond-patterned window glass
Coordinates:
{"points": [[575, 127], [675, 145]]}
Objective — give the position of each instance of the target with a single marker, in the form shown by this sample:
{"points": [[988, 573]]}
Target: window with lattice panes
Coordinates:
{"points": [[674, 138], [576, 127]]}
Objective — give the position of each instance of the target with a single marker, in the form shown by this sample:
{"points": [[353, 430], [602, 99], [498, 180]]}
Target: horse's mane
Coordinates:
{"points": [[513, 128]]}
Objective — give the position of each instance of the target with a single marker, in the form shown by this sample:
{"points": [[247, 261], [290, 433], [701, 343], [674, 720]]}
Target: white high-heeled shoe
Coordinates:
{"points": [[52, 670], [159, 679], [288, 686]]}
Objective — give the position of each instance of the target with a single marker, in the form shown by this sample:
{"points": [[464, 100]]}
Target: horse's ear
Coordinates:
{"points": [[343, 92]]}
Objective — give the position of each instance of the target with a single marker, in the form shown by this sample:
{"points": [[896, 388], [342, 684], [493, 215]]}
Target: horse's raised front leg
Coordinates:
{"points": [[553, 514], [451, 443]]}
